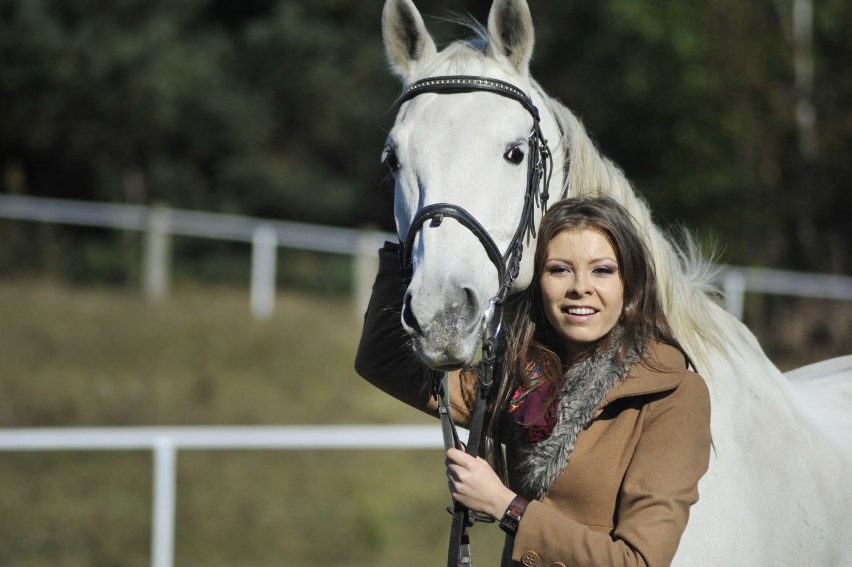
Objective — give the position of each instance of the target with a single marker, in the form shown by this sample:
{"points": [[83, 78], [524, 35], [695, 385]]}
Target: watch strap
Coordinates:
{"points": [[512, 516]]}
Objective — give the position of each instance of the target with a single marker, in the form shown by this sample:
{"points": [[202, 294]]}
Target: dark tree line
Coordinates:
{"points": [[279, 109]]}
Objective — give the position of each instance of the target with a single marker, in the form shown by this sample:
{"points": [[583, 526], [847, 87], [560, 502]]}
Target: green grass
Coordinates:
{"points": [[103, 357]]}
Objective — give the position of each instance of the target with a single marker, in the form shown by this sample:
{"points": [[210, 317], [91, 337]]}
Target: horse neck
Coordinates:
{"points": [[682, 275]]}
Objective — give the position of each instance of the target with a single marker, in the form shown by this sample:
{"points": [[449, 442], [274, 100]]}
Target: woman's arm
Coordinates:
{"points": [[385, 357], [659, 487]]}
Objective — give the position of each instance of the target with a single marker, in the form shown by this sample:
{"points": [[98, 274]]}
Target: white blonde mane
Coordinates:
{"points": [[683, 274]]}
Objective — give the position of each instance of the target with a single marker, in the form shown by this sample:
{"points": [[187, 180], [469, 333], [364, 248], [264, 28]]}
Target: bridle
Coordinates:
{"points": [[507, 263]]}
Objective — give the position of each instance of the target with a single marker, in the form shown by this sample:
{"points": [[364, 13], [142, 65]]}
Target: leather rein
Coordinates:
{"points": [[507, 264]]}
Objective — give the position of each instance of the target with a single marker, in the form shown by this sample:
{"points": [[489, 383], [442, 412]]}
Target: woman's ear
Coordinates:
{"points": [[407, 42], [510, 31]]}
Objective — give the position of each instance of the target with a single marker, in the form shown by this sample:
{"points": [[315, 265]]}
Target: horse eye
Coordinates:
{"points": [[390, 160], [514, 155]]}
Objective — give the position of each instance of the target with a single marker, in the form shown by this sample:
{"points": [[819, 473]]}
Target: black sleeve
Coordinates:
{"points": [[385, 357]]}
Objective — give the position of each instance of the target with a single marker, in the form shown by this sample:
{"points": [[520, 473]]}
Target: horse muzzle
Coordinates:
{"points": [[446, 338]]}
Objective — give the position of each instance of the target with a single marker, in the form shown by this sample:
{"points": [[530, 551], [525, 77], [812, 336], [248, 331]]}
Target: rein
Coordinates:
{"points": [[507, 264]]}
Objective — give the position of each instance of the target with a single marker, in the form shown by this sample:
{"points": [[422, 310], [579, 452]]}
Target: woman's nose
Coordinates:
{"points": [[579, 285]]}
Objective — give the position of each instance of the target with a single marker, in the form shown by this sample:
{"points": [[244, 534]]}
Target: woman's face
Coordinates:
{"points": [[581, 287]]}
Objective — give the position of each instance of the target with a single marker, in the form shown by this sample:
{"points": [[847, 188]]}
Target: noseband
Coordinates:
{"points": [[507, 263]]}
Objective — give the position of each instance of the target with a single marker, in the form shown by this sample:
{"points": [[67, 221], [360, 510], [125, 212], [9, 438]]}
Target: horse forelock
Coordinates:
{"points": [[470, 55]]}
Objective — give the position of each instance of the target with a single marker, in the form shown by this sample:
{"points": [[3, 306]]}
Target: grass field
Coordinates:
{"points": [[74, 357], [100, 356]]}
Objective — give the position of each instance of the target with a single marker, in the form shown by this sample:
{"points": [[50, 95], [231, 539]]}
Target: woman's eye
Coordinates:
{"points": [[514, 155], [390, 160], [606, 270]]}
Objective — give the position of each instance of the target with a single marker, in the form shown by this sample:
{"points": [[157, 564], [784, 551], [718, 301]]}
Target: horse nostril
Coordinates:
{"points": [[470, 305], [408, 315]]}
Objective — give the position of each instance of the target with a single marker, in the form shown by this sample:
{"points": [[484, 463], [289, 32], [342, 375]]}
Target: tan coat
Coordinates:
{"points": [[624, 497]]}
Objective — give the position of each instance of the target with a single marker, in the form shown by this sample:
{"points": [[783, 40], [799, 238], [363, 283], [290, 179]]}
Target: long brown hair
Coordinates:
{"points": [[528, 335]]}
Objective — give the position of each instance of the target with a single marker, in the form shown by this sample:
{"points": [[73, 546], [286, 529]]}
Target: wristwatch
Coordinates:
{"points": [[512, 517]]}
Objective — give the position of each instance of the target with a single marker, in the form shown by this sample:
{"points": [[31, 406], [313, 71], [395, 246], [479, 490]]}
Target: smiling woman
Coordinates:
{"points": [[607, 431]]}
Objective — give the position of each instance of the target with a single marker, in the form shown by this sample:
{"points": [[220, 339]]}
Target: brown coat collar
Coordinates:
{"points": [[662, 371]]}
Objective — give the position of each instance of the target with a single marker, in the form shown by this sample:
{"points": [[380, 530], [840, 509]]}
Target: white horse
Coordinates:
{"points": [[779, 487]]}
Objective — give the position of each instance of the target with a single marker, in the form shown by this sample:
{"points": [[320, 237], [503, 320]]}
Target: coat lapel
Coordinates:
{"points": [[661, 371]]}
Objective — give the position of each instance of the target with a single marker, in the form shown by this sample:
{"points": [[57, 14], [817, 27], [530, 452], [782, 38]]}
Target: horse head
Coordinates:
{"points": [[472, 152]]}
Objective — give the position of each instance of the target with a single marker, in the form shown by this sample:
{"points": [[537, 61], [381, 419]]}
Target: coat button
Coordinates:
{"points": [[530, 559]]}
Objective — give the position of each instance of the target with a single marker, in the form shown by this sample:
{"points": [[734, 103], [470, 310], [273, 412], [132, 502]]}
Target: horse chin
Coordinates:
{"points": [[443, 359], [447, 351]]}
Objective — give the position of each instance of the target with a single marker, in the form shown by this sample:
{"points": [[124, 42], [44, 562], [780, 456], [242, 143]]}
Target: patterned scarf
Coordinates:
{"points": [[548, 437]]}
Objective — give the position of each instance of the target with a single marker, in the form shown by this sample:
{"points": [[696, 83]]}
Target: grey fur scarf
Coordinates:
{"points": [[583, 389]]}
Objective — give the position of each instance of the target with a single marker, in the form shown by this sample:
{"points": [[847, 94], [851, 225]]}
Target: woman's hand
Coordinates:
{"points": [[474, 484]]}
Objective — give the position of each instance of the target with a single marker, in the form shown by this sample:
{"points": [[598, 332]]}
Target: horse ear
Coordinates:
{"points": [[510, 30], [407, 43]]}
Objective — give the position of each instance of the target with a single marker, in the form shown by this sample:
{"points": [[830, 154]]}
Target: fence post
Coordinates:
{"points": [[163, 530], [365, 268], [264, 254], [734, 288], [155, 270]]}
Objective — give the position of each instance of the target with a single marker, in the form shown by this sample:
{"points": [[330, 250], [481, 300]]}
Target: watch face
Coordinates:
{"points": [[509, 524]]}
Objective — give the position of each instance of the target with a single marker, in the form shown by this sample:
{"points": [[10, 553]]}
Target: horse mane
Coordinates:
{"points": [[684, 275]]}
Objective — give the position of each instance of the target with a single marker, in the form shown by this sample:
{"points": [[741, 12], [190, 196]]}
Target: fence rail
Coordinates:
{"points": [[266, 235], [736, 281], [179, 222], [164, 442], [160, 223]]}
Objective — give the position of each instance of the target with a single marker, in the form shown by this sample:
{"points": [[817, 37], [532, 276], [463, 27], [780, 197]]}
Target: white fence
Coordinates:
{"points": [[164, 442], [160, 223], [736, 281], [266, 235]]}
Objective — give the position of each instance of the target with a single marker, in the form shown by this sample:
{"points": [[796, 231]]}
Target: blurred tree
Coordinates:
{"points": [[832, 199], [696, 102], [279, 108], [127, 103]]}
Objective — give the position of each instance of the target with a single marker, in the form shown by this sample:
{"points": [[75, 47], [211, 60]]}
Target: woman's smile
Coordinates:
{"points": [[579, 311]]}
